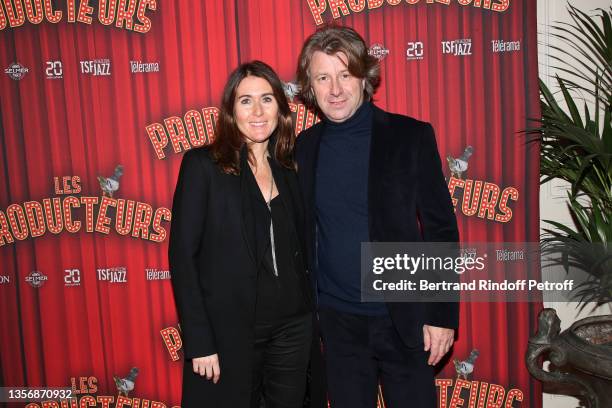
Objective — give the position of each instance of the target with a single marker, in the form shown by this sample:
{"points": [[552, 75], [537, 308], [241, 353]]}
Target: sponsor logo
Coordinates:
{"points": [[459, 48], [72, 277], [4, 279], [97, 67], [16, 71], [415, 51], [157, 274], [378, 51], [137, 67], [54, 70], [36, 279], [505, 46], [113, 275]]}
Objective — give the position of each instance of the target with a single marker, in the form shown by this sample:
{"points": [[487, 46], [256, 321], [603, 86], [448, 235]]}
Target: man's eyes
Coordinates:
{"points": [[346, 75]]}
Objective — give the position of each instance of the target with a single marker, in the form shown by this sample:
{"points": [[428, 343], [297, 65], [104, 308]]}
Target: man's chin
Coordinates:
{"points": [[338, 116]]}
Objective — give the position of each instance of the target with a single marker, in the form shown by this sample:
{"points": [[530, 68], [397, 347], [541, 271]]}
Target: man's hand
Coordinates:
{"points": [[438, 340], [208, 366]]}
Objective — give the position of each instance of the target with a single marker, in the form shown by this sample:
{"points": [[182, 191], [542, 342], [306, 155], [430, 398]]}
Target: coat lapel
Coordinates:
{"points": [[287, 194], [248, 217], [378, 146], [311, 165]]}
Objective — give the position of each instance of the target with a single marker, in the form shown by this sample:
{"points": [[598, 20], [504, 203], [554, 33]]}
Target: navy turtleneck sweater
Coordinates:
{"points": [[341, 201]]}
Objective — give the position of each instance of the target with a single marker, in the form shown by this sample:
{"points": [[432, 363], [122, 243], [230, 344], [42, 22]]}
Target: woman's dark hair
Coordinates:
{"points": [[331, 40], [228, 142]]}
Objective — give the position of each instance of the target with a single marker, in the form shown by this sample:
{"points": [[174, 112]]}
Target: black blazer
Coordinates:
{"points": [[408, 201], [214, 260]]}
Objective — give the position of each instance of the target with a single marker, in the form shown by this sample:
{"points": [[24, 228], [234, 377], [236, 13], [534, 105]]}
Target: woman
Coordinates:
{"points": [[236, 255]]}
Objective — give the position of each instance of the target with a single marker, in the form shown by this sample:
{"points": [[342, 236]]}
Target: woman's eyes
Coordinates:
{"points": [[248, 101]]}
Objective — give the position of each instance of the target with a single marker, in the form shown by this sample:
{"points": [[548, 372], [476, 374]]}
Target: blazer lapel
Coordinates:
{"points": [[248, 217], [378, 148], [282, 178], [310, 170]]}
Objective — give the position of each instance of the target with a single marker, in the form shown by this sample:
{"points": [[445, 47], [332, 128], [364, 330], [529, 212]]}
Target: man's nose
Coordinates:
{"points": [[336, 89]]}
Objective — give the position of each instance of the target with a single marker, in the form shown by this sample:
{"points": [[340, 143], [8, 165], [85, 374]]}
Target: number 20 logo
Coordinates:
{"points": [[72, 276], [54, 69], [414, 50]]}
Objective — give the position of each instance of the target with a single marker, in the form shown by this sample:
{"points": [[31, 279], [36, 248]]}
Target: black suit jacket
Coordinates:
{"points": [[408, 201], [214, 252]]}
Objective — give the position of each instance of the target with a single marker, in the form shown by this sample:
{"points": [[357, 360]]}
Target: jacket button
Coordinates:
{"points": [[297, 253]]}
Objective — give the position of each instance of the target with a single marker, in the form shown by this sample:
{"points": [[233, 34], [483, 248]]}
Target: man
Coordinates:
{"points": [[369, 175]]}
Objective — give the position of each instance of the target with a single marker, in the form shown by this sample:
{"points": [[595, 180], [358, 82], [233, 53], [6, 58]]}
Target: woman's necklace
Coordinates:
{"points": [[269, 204]]}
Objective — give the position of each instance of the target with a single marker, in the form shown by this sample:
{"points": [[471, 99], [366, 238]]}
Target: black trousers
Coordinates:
{"points": [[363, 351], [282, 353]]}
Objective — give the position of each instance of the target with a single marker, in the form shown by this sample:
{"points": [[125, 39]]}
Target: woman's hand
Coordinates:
{"points": [[208, 366]]}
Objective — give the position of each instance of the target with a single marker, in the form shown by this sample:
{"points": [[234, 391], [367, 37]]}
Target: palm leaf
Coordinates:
{"points": [[576, 146]]}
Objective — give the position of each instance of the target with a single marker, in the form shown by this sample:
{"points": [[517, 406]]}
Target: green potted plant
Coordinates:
{"points": [[576, 147]]}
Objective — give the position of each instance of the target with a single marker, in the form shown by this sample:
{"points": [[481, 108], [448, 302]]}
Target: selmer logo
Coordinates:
{"points": [[378, 51], [36, 279], [16, 71]]}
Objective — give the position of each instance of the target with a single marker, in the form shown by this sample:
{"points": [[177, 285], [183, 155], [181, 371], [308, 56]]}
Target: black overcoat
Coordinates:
{"points": [[408, 201], [214, 263]]}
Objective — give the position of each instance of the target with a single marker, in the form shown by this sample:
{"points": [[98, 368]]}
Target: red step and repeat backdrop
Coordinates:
{"points": [[100, 99]]}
